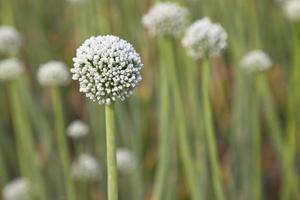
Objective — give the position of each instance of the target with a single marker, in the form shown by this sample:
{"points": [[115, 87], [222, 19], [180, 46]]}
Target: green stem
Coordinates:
{"points": [[209, 131], [165, 137], [25, 144], [290, 188], [255, 144], [111, 153], [184, 146], [62, 144]]}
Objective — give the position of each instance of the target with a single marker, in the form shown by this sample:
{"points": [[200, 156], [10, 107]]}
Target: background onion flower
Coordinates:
{"points": [[126, 161], [166, 19], [53, 73], [10, 40], [77, 129], [256, 61], [204, 38], [292, 10], [10, 69], [17, 189], [107, 68], [86, 168]]}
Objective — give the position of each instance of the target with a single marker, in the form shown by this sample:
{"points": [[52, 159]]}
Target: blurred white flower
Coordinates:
{"points": [[107, 68], [256, 61], [166, 18], [86, 168], [204, 38], [10, 40], [53, 73], [126, 161], [292, 10], [17, 189], [77, 1], [10, 69], [77, 129]]}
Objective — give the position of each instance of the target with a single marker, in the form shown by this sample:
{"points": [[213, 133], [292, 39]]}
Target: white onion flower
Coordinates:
{"points": [[86, 168], [292, 10], [204, 38], [256, 61], [107, 68], [10, 69], [17, 189], [126, 161], [77, 129], [166, 19], [53, 73], [10, 40]]}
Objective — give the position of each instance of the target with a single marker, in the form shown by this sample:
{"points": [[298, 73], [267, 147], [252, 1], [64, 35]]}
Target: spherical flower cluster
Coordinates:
{"points": [[18, 189], [53, 73], [126, 161], [10, 40], [10, 69], [86, 168], [166, 19], [77, 129], [204, 38], [256, 61], [107, 68], [292, 10]]}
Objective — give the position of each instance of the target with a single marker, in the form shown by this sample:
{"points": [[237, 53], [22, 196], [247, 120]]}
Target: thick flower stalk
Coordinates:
{"points": [[205, 39], [10, 69], [108, 70], [17, 189], [10, 40], [126, 161], [256, 61], [292, 10], [86, 168], [166, 19], [77, 129]]}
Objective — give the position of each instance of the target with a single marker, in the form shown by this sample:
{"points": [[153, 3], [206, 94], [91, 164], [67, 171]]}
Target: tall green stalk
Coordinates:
{"points": [[165, 137], [25, 144], [255, 135], [62, 142], [111, 153], [290, 182], [209, 131], [290, 188], [183, 139]]}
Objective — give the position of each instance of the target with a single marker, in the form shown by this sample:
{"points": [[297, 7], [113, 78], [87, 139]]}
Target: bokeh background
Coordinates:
{"points": [[53, 29]]}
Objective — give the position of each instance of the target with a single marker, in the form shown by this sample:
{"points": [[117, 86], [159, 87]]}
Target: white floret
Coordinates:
{"points": [[205, 39], [17, 189], [107, 69], [77, 129], [86, 168], [10, 40], [166, 18], [292, 10], [10, 69], [126, 161], [53, 73], [256, 61]]}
